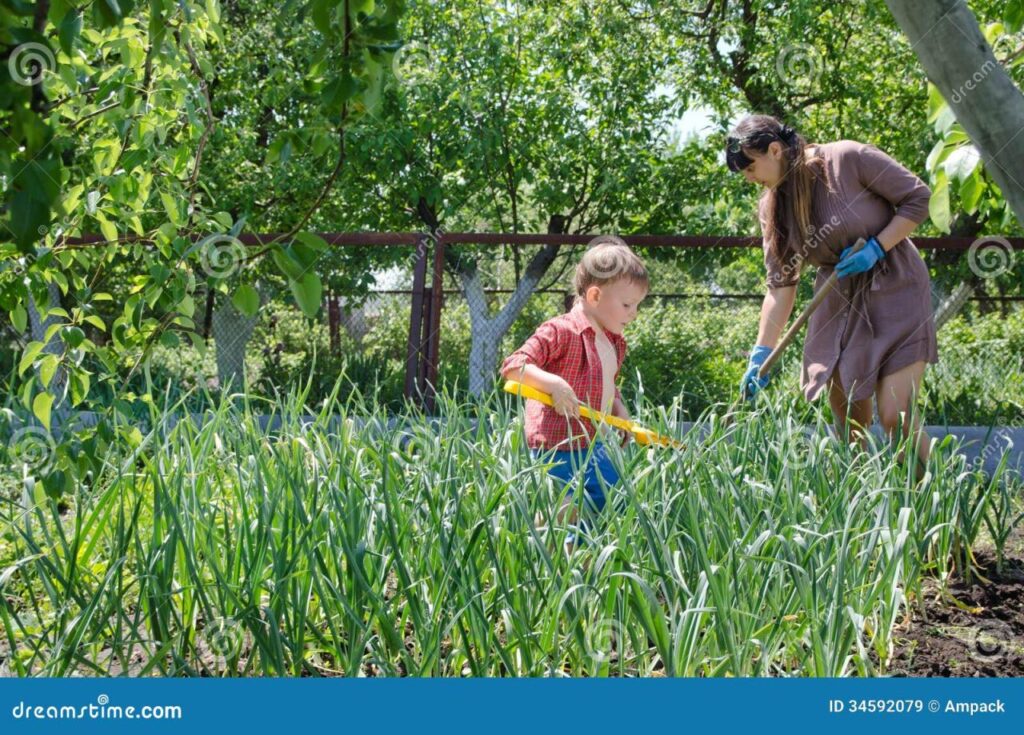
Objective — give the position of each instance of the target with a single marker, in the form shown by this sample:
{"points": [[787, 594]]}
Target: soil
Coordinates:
{"points": [[973, 629]]}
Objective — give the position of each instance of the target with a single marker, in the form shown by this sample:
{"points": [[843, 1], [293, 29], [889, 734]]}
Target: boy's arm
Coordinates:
{"points": [[562, 394], [544, 347], [619, 409]]}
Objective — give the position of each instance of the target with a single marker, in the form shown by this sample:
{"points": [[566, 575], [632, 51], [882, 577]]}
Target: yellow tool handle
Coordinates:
{"points": [[643, 436]]}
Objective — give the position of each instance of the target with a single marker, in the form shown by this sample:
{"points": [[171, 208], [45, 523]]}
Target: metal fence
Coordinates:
{"points": [[405, 341]]}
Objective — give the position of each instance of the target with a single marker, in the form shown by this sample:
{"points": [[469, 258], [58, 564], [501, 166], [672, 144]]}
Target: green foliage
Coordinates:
{"points": [[362, 542], [113, 137]]}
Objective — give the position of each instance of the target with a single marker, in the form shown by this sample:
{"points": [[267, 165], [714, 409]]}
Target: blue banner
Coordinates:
{"points": [[522, 705]]}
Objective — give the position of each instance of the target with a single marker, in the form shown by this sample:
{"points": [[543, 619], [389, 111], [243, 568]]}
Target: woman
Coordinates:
{"points": [[874, 332]]}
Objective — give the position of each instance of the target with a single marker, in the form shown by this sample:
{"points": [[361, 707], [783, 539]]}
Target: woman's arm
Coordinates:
{"points": [[898, 228], [775, 311]]}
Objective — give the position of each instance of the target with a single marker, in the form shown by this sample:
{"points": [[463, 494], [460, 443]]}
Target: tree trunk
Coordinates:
{"points": [[486, 332], [948, 42], [954, 304]]}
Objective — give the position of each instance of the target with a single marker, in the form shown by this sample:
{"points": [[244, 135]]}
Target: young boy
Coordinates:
{"points": [[576, 357]]}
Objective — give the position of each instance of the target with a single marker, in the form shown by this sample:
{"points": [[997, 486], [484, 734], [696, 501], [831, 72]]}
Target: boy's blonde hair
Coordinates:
{"points": [[608, 259]]}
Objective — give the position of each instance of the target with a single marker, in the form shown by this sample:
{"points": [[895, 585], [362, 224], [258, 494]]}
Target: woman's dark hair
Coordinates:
{"points": [[789, 203]]}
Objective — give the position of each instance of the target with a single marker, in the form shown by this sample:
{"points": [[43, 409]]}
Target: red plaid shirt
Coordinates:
{"points": [[565, 346]]}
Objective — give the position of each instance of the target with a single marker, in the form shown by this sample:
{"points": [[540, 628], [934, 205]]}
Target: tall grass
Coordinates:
{"points": [[343, 541]]}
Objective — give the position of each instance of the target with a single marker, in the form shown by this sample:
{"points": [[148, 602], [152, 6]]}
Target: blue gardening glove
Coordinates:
{"points": [[862, 261], [751, 384]]}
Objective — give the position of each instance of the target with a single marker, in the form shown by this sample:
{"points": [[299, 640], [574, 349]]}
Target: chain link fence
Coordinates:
{"points": [[686, 345]]}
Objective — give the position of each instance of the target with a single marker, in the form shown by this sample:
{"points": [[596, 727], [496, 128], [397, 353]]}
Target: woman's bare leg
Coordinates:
{"points": [[851, 418], [897, 396]]}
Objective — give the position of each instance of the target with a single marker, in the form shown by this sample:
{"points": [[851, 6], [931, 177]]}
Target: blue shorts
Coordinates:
{"points": [[598, 472]]}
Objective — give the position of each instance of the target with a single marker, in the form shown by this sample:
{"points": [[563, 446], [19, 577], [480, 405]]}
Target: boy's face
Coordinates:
{"points": [[614, 305]]}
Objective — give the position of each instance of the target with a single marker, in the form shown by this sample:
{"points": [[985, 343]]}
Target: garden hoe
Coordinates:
{"points": [[643, 436]]}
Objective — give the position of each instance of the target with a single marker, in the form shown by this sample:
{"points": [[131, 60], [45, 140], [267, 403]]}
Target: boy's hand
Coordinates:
{"points": [[564, 399], [619, 409]]}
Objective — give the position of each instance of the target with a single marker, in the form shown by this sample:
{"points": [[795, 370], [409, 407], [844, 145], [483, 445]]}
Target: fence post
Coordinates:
{"points": [[433, 323], [414, 347], [334, 321]]}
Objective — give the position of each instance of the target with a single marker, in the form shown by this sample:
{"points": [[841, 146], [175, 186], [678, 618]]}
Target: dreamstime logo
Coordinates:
{"points": [[33, 448], [29, 62], [413, 63], [815, 237], [604, 265], [411, 447], [798, 64], [221, 256], [990, 256], [961, 92], [799, 449], [604, 639], [990, 640], [225, 637]]}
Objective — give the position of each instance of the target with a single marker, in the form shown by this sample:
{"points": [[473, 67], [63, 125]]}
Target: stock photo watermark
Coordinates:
{"points": [[101, 709], [991, 256], [799, 64], [30, 62], [33, 449]]}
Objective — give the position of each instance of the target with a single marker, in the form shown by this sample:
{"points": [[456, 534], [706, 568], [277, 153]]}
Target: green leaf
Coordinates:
{"points": [[362, 6], [936, 103], [41, 408], [285, 260], [340, 90], [945, 120], [213, 10], [170, 339], [171, 207], [79, 386], [47, 369], [962, 162], [28, 217], [73, 336], [107, 13], [108, 228], [246, 300], [939, 152], [56, 483], [19, 317], [29, 356], [938, 205], [96, 322], [313, 241], [1013, 15], [322, 12], [970, 192], [70, 28], [307, 292]]}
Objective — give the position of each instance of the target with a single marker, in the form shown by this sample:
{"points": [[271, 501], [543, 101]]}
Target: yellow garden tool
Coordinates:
{"points": [[643, 436]]}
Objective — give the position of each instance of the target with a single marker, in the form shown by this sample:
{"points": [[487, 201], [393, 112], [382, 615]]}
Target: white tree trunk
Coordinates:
{"points": [[953, 304], [486, 331], [945, 36]]}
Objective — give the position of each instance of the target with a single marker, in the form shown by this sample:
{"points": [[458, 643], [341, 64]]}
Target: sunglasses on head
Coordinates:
{"points": [[736, 159]]}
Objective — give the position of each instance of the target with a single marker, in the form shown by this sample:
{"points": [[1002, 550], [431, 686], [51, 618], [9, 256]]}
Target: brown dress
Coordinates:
{"points": [[875, 323]]}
